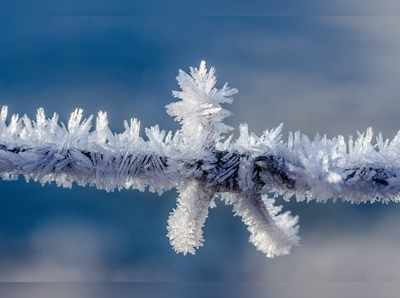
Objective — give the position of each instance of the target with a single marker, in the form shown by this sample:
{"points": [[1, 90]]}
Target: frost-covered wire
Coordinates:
{"points": [[204, 162]]}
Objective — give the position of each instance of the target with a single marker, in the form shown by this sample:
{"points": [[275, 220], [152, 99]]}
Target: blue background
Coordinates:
{"points": [[327, 74]]}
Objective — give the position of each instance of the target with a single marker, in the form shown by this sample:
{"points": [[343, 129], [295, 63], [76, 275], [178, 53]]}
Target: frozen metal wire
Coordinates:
{"points": [[203, 162]]}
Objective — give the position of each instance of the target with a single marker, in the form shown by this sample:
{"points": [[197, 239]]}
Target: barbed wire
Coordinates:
{"points": [[203, 162]]}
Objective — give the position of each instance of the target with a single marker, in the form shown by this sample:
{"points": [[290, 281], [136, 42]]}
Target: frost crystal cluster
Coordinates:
{"points": [[204, 163]]}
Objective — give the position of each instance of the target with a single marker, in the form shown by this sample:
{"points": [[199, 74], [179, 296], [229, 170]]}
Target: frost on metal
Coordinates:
{"points": [[204, 163]]}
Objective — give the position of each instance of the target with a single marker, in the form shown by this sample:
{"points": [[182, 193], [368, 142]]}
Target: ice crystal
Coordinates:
{"points": [[199, 110]]}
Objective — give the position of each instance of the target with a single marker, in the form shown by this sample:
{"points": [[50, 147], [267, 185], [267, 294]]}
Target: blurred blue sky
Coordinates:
{"points": [[321, 74]]}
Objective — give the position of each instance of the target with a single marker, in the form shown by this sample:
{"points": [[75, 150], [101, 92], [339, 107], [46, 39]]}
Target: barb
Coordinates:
{"points": [[203, 162]]}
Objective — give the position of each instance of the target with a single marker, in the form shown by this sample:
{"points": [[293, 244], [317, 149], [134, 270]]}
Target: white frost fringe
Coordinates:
{"points": [[185, 224], [273, 233]]}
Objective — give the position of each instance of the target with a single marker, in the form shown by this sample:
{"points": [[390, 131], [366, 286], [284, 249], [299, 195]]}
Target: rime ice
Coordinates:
{"points": [[204, 163]]}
